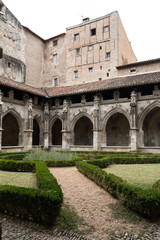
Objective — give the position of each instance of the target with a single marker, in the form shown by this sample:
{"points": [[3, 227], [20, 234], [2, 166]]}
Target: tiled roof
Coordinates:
{"points": [[21, 86], [115, 83], [156, 60]]}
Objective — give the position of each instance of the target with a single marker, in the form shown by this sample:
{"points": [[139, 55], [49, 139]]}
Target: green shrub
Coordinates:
{"points": [[145, 202], [17, 166], [52, 156], [42, 205]]}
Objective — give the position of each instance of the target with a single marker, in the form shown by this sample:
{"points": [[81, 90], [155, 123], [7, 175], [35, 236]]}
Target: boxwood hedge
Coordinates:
{"points": [[41, 205], [146, 202]]}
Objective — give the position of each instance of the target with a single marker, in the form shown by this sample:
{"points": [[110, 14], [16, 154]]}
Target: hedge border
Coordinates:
{"points": [[146, 202], [42, 205]]}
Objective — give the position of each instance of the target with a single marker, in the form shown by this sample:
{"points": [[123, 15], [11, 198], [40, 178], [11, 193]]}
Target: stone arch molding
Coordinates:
{"points": [[17, 116], [52, 121], [112, 112], [20, 121], [146, 111], [38, 120], [77, 117]]}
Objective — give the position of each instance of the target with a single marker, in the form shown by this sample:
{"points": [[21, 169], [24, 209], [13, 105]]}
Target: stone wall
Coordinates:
{"points": [[55, 72]]}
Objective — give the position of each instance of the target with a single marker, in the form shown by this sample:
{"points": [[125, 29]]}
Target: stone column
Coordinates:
{"points": [[29, 128], [65, 132], [96, 131], [133, 129], [1, 103], [46, 125]]}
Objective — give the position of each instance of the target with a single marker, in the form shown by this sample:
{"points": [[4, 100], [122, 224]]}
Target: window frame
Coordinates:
{"points": [[75, 37], [93, 32], [76, 74], [90, 69], [55, 60]]}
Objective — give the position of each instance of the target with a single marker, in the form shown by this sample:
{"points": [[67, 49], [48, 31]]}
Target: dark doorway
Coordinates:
{"points": [[57, 133], [36, 133], [10, 134], [117, 130], [83, 132]]}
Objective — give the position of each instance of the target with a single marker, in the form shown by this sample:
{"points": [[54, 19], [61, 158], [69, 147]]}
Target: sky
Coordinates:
{"points": [[140, 18]]}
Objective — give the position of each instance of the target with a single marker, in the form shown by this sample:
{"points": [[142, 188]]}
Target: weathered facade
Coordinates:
{"points": [[81, 90]]}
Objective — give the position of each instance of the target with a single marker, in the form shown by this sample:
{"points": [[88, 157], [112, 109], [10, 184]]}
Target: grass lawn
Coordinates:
{"points": [[143, 175], [18, 179]]}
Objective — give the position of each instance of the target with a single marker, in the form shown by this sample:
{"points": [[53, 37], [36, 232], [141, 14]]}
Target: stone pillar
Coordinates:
{"points": [[65, 132], [46, 125], [133, 129], [29, 128], [96, 131], [1, 103]]}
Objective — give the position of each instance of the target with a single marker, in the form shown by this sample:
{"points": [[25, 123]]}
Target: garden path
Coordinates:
{"points": [[93, 204]]}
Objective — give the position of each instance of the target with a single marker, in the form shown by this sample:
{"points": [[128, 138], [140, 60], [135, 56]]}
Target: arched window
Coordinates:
{"points": [[57, 132], [83, 132], [117, 130], [10, 134]]}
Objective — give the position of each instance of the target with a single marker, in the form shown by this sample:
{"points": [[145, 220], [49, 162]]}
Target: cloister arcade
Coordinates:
{"points": [[115, 130]]}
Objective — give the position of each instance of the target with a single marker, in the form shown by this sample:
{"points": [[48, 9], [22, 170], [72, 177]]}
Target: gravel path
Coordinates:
{"points": [[93, 204]]}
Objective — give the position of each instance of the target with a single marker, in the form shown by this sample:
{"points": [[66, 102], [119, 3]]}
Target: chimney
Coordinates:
{"points": [[85, 20]]}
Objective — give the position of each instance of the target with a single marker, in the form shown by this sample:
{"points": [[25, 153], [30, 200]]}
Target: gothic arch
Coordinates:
{"points": [[37, 131], [111, 112], [116, 128], [77, 117], [12, 125], [56, 131], [145, 113], [82, 130]]}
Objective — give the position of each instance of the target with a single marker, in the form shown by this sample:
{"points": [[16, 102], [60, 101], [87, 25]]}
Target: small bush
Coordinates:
{"points": [[43, 155]]}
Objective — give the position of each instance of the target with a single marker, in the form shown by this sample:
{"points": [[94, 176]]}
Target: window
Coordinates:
{"points": [[76, 74], [90, 69], [76, 37], [133, 70], [106, 29], [55, 43], [99, 79], [9, 64], [78, 51], [1, 52], [100, 47], [108, 54], [93, 32], [55, 59], [55, 82], [107, 74], [100, 67], [90, 48]]}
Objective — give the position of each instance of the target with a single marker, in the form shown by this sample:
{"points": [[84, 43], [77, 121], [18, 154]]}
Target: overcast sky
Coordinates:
{"points": [[141, 19]]}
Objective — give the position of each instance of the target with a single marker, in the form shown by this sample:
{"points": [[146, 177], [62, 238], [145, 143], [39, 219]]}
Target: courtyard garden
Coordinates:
{"points": [[29, 189]]}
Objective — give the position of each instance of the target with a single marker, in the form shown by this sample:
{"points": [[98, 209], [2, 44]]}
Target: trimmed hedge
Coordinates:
{"points": [[61, 163], [13, 156], [17, 166], [145, 202], [42, 205], [106, 161]]}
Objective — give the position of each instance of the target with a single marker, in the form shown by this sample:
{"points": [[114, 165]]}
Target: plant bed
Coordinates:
{"points": [[146, 202], [42, 205], [54, 158]]}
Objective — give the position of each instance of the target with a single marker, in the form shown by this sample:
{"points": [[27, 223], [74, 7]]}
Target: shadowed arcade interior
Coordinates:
{"points": [[10, 134], [117, 130], [83, 132]]}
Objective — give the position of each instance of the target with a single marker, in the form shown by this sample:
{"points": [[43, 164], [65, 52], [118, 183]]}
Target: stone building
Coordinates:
{"points": [[80, 90]]}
